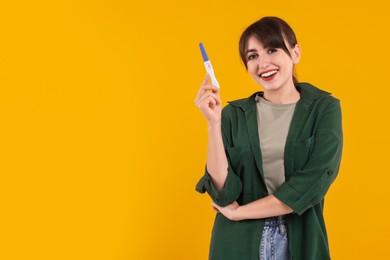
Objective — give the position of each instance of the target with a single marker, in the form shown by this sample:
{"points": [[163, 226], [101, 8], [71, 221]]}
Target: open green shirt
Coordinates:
{"points": [[311, 159]]}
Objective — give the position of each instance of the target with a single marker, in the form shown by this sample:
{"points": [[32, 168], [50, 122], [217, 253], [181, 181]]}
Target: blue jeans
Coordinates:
{"points": [[274, 243]]}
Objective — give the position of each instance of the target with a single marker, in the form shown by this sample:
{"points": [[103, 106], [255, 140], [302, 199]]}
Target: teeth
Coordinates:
{"points": [[267, 74]]}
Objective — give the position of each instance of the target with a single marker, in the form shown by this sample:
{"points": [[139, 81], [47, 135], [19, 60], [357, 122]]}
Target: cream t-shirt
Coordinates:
{"points": [[273, 125]]}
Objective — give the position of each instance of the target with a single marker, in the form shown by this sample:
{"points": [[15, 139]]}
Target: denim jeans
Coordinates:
{"points": [[274, 243]]}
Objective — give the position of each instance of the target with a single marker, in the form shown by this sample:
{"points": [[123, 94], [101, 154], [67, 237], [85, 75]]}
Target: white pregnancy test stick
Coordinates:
{"points": [[208, 66]]}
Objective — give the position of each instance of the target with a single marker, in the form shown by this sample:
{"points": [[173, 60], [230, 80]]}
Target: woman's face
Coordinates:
{"points": [[272, 68]]}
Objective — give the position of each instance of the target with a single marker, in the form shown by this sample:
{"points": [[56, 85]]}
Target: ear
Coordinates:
{"points": [[296, 54]]}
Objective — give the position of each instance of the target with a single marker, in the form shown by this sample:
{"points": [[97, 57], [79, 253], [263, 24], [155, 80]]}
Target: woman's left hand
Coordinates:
{"points": [[230, 211]]}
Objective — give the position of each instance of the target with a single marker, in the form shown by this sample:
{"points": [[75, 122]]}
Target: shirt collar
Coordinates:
{"points": [[308, 93]]}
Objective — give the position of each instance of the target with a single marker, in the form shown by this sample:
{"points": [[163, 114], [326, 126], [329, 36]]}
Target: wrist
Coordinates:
{"points": [[237, 214], [214, 128]]}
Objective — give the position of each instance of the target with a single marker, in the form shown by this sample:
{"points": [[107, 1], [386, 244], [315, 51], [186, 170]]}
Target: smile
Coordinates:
{"points": [[268, 73]]}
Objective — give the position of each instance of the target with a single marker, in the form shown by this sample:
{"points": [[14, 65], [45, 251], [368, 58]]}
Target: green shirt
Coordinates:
{"points": [[311, 159]]}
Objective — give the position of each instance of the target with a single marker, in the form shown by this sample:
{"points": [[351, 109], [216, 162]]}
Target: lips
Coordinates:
{"points": [[268, 75]]}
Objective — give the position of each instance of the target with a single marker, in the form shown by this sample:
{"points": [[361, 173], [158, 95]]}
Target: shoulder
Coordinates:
{"points": [[315, 96], [235, 113], [321, 107], [242, 104]]}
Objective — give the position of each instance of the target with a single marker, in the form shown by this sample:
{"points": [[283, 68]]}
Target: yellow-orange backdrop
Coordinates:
{"points": [[101, 144]]}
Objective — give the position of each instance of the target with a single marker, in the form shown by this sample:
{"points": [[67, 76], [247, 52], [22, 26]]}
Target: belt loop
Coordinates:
{"points": [[282, 225]]}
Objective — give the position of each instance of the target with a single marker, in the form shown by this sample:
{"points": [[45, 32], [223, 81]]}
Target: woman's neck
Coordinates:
{"points": [[283, 95]]}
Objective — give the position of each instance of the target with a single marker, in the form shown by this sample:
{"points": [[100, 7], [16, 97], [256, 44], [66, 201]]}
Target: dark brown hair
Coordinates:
{"points": [[272, 33]]}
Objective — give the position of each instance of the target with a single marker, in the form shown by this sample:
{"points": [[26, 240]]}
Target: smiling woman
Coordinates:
{"points": [[270, 201], [270, 38], [272, 68]]}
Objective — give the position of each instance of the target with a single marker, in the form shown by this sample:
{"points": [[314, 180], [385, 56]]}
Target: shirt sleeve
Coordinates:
{"points": [[229, 193], [233, 185], [308, 186]]}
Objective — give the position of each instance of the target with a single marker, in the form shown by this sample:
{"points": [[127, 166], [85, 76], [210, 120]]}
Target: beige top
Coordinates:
{"points": [[273, 125]]}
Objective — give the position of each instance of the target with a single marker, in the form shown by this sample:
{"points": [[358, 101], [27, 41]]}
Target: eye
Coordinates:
{"points": [[271, 50], [252, 56]]}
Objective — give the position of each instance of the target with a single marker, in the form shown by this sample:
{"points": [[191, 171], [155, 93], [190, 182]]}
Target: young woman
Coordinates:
{"points": [[272, 156]]}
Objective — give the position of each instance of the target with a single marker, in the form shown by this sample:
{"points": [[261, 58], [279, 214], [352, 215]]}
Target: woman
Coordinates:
{"points": [[272, 156]]}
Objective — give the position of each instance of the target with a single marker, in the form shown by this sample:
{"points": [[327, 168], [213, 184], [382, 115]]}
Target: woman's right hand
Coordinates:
{"points": [[209, 102]]}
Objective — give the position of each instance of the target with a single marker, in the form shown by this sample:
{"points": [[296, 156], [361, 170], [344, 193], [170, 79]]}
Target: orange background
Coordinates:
{"points": [[101, 144]]}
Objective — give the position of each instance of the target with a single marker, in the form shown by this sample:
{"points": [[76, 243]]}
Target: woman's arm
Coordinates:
{"points": [[209, 103], [266, 207], [217, 164]]}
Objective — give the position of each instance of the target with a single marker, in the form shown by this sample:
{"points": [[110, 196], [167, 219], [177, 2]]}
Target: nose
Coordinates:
{"points": [[264, 63]]}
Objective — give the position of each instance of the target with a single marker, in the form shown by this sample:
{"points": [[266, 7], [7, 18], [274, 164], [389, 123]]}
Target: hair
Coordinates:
{"points": [[272, 32]]}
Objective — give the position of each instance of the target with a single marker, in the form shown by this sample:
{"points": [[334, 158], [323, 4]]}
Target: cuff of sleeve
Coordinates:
{"points": [[289, 196], [300, 202], [227, 194]]}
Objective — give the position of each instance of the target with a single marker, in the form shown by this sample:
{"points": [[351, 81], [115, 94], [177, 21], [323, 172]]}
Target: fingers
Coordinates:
{"points": [[207, 98], [207, 89], [215, 99], [215, 207], [235, 203], [206, 79], [206, 86], [208, 95]]}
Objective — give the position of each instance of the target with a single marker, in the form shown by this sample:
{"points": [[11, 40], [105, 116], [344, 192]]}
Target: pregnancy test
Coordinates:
{"points": [[208, 66]]}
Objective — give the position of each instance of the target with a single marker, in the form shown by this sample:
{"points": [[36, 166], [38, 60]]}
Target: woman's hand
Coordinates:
{"points": [[266, 207], [230, 211], [209, 102]]}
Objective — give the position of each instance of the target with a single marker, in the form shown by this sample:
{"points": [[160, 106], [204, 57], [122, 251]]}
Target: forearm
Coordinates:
{"points": [[217, 164], [266, 207]]}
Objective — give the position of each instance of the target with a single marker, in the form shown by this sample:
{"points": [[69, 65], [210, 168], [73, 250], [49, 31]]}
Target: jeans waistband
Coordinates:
{"points": [[275, 221]]}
